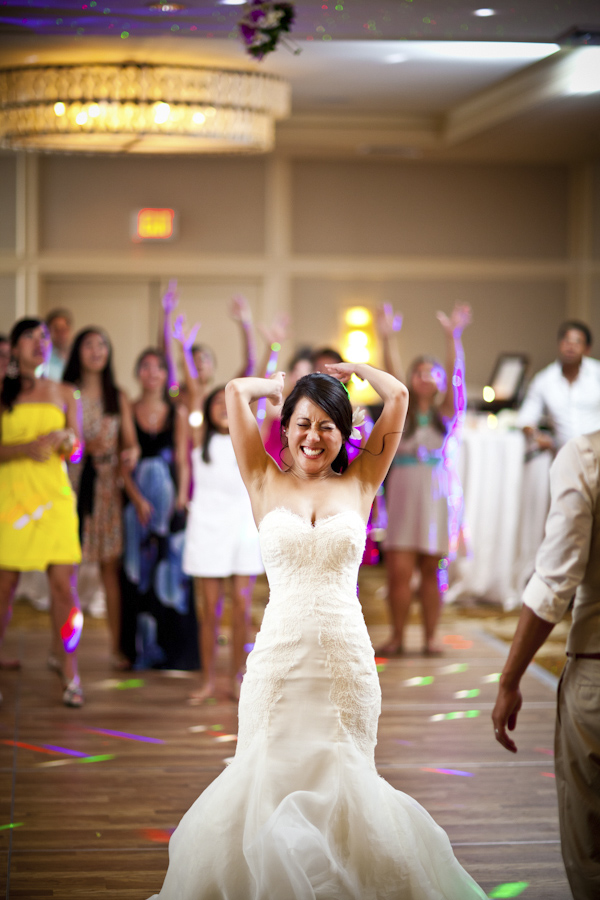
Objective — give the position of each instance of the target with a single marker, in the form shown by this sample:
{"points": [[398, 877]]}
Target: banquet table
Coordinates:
{"points": [[506, 500]]}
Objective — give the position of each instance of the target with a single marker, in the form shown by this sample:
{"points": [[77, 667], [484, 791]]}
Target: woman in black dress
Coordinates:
{"points": [[159, 628]]}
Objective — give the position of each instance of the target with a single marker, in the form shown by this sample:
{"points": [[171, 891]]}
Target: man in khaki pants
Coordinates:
{"points": [[567, 564]]}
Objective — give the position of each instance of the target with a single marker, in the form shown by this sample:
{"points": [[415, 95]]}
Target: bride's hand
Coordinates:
{"points": [[342, 371], [275, 395]]}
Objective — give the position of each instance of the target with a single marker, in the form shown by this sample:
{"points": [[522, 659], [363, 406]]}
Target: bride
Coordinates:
{"points": [[301, 812]]}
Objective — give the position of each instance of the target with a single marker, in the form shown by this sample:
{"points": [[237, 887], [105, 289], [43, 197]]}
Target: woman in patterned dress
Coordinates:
{"points": [[110, 443]]}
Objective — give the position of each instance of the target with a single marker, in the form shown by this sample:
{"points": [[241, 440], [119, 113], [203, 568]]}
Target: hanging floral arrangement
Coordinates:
{"points": [[263, 25]]}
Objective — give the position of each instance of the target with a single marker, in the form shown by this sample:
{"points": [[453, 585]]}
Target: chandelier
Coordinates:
{"points": [[140, 108]]}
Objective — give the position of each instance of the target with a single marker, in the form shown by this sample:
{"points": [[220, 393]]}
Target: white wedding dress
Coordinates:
{"points": [[301, 813]]}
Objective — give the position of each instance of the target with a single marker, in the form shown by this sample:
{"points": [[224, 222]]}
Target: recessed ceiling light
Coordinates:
{"points": [[484, 12], [231, 2], [167, 6]]}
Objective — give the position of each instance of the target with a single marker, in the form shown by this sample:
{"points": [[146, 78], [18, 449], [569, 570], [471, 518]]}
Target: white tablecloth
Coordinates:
{"points": [[506, 503]]}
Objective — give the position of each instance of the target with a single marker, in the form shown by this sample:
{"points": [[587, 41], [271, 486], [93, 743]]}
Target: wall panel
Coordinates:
{"points": [[86, 203], [8, 180], [430, 209]]}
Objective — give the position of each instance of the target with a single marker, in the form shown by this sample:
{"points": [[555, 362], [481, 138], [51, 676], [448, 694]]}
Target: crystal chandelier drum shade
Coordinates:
{"points": [[140, 109]]}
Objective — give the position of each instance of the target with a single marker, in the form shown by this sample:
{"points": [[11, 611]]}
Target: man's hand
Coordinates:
{"points": [[504, 715]]}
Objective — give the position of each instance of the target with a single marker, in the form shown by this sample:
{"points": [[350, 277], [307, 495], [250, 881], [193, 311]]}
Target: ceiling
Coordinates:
{"points": [[386, 79]]}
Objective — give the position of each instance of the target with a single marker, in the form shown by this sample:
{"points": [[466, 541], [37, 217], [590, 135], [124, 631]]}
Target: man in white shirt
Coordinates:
{"points": [[567, 391], [567, 564]]}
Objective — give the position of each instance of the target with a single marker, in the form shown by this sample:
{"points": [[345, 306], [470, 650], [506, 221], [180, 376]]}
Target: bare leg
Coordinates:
{"points": [[8, 586], [63, 598], [400, 566], [431, 601], [109, 572], [242, 592], [208, 598]]}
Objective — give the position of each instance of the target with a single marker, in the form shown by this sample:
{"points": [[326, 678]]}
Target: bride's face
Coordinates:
{"points": [[314, 440]]}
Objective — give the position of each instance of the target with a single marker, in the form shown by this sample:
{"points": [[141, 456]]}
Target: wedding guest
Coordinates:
{"points": [[159, 626], [567, 564], [38, 523], [110, 445], [418, 485], [221, 542], [60, 327], [566, 393]]}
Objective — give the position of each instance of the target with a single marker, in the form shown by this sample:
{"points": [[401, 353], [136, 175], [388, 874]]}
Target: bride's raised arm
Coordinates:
{"points": [[372, 464], [240, 393]]}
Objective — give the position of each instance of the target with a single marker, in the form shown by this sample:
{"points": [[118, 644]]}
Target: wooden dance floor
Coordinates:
{"points": [[89, 797]]}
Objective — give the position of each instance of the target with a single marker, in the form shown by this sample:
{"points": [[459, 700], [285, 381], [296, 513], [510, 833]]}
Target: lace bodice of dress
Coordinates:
{"points": [[312, 572]]}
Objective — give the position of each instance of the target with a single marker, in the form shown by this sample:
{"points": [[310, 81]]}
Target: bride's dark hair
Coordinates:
{"points": [[332, 397]]}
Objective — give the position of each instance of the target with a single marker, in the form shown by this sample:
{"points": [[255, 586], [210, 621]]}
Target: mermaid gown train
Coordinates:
{"points": [[301, 813]]}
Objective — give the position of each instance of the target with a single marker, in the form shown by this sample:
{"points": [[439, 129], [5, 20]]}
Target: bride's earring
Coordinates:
{"points": [[13, 369]]}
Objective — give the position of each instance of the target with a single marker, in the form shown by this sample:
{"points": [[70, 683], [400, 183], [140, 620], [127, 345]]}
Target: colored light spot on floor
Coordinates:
{"points": [[455, 667], [381, 660], [548, 774], [457, 642], [216, 728], [64, 750], [545, 750], [24, 746], [466, 695], [381, 667], [449, 772], [157, 835], [248, 648], [510, 889], [130, 684], [101, 758], [198, 728], [11, 825], [417, 682], [491, 679], [125, 735], [225, 738]]}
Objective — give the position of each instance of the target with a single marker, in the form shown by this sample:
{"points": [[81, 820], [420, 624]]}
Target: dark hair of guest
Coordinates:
{"points": [[210, 427], [11, 386], [575, 325], [73, 372], [411, 414], [331, 396]]}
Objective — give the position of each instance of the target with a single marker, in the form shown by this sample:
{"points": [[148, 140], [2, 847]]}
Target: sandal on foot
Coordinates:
{"points": [[73, 694]]}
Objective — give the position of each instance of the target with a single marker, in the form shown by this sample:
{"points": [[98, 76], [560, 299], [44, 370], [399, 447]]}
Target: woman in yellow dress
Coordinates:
{"points": [[38, 521]]}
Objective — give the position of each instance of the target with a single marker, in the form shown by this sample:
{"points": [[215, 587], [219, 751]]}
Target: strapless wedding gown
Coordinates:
{"points": [[301, 813]]}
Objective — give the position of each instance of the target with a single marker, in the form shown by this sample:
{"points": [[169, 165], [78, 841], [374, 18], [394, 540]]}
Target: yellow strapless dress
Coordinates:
{"points": [[38, 517]]}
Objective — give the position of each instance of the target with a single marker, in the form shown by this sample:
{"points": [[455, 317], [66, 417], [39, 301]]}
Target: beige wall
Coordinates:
{"points": [[86, 203], [430, 210], [306, 237], [7, 201]]}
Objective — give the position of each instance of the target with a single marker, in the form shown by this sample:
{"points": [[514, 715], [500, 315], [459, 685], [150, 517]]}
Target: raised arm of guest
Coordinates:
{"points": [[388, 323], [453, 328], [241, 313]]}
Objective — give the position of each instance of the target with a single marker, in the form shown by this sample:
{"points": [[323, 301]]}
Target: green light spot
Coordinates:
{"points": [[131, 683], [174, 27], [471, 714], [510, 889], [93, 3], [326, 37], [427, 20], [453, 715], [59, 21], [276, 346], [427, 680], [216, 728], [90, 759], [11, 825], [124, 34], [381, 668]]}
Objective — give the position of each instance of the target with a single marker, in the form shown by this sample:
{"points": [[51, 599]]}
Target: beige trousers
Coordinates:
{"points": [[577, 766]]}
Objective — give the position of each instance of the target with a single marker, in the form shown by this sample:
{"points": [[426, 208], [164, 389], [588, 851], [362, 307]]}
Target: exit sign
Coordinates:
{"points": [[152, 224]]}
